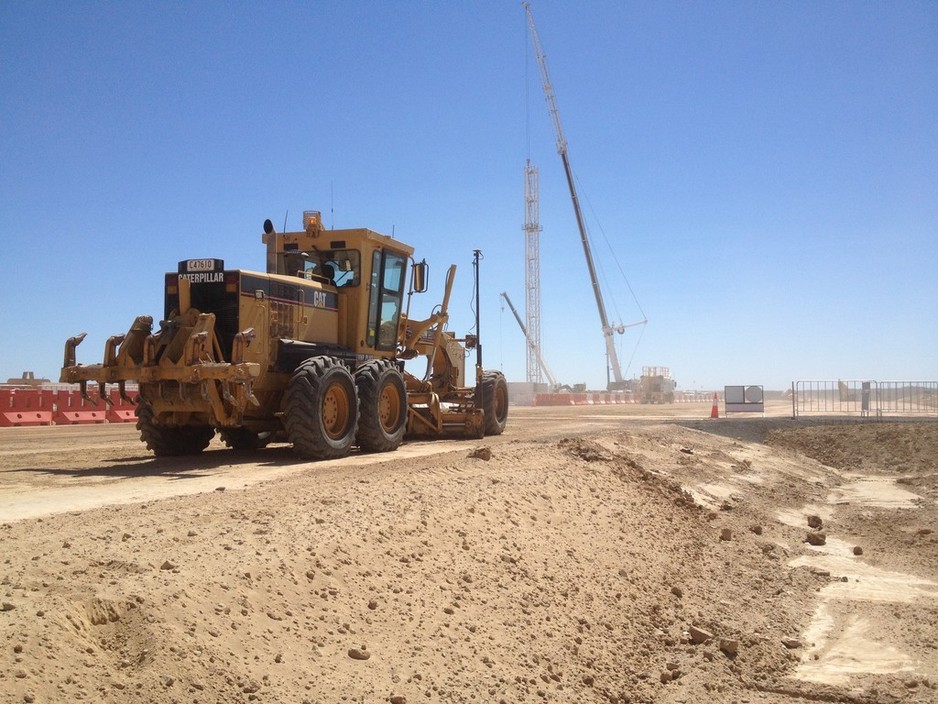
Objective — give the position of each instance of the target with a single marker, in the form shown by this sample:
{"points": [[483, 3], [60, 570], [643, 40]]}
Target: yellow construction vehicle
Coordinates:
{"points": [[312, 352]]}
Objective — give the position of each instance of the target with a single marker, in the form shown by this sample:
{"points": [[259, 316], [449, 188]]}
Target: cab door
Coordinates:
{"points": [[388, 276]]}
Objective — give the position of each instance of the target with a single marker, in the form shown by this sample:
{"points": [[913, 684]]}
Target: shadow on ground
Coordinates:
{"points": [[187, 467], [757, 429]]}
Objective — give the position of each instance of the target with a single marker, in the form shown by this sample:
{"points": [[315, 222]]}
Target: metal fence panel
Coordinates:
{"points": [[919, 398], [865, 398]]}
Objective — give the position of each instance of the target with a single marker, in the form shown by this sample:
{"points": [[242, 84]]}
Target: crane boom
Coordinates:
{"points": [[608, 330], [537, 353]]}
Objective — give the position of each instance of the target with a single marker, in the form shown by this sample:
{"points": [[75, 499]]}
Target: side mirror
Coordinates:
{"points": [[421, 276]]}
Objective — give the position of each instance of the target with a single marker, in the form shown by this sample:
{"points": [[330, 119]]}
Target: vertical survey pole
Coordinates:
{"points": [[476, 257]]}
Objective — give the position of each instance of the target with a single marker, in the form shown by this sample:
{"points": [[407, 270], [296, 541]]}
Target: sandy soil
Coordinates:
{"points": [[589, 554]]}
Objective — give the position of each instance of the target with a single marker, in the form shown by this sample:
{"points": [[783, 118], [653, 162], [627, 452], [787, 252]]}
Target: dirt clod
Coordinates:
{"points": [[699, 635], [816, 539], [482, 453]]}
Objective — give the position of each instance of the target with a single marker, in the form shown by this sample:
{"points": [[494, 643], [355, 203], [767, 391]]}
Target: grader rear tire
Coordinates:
{"points": [[321, 409], [167, 441], [382, 397], [494, 391]]}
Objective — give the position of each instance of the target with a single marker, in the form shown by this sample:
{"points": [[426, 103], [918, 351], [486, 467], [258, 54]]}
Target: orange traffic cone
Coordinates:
{"points": [[715, 411]]}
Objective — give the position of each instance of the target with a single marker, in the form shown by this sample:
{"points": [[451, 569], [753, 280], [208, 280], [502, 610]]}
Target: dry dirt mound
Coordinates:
{"points": [[637, 566], [867, 446]]}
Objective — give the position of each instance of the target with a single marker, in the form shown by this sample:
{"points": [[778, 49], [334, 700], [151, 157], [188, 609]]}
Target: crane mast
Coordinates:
{"points": [[532, 272], [608, 330]]}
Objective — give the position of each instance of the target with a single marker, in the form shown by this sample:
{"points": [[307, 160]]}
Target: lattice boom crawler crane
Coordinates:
{"points": [[310, 352]]}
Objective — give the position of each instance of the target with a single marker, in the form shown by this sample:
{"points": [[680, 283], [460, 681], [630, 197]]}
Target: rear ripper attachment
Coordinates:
{"points": [[311, 352]]}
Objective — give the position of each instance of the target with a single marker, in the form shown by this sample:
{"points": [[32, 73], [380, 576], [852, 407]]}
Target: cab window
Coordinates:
{"points": [[342, 267], [346, 267]]}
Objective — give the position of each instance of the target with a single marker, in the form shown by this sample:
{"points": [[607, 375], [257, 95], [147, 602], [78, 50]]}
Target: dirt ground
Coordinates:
{"points": [[589, 554]]}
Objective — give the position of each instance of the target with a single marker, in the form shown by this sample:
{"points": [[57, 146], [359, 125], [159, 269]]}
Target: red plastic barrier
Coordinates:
{"points": [[72, 409], [581, 399], [21, 407], [553, 399], [120, 411]]}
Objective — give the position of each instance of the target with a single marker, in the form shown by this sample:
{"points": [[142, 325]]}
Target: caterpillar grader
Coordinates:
{"points": [[310, 352]]}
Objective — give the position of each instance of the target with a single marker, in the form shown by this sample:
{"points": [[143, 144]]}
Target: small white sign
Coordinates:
{"points": [[744, 399]]}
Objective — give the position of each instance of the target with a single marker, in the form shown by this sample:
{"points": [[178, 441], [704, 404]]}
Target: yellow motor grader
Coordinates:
{"points": [[312, 352]]}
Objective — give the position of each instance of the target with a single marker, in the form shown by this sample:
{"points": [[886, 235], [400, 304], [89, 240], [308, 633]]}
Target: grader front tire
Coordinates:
{"points": [[382, 397], [321, 409], [167, 441]]}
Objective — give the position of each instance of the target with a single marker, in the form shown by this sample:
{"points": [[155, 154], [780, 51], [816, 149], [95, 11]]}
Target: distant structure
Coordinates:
{"points": [[532, 274], [656, 385], [27, 380]]}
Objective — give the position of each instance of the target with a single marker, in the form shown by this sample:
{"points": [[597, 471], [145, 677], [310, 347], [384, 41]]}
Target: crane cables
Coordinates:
{"points": [[621, 327]]}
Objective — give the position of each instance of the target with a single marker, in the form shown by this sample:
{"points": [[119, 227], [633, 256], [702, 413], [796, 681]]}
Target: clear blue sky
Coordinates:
{"points": [[764, 173]]}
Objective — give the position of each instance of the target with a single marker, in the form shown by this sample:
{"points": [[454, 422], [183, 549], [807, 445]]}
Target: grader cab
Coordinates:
{"points": [[311, 352]]}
